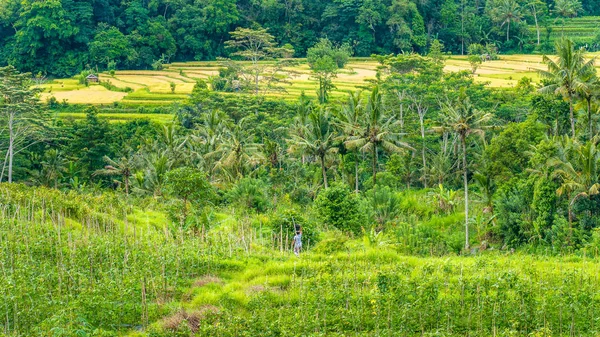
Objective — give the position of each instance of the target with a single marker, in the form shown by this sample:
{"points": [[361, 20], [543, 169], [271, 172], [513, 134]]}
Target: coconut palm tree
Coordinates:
{"points": [[53, 166], [317, 139], [579, 173], [349, 120], [152, 179], [566, 9], [566, 75], [588, 92], [124, 168], [237, 151], [303, 108], [507, 12], [464, 119], [378, 130]]}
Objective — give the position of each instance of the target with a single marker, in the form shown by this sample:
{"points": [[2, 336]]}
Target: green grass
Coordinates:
{"points": [[104, 265]]}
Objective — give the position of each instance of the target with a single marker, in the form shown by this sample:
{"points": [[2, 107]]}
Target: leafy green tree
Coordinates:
{"points": [[324, 60], [189, 185], [110, 45], [338, 207], [567, 74], [538, 8], [475, 52], [20, 115], [464, 119], [90, 143], [254, 45], [249, 193]]}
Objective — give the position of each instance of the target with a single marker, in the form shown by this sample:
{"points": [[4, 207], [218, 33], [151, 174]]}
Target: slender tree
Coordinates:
{"points": [[317, 140], [464, 119], [19, 113], [349, 119], [378, 131], [506, 12], [124, 168]]}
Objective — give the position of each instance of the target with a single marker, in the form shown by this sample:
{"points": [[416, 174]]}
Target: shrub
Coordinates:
{"points": [[188, 184], [340, 208], [249, 193]]}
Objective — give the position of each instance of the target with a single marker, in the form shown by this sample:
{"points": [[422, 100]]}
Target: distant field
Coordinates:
{"points": [[120, 117], [152, 88], [579, 29]]}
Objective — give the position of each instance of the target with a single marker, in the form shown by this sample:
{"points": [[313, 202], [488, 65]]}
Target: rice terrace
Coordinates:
{"points": [[279, 168]]}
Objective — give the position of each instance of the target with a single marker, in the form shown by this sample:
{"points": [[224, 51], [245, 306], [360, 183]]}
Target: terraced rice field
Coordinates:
{"points": [[579, 29], [153, 88]]}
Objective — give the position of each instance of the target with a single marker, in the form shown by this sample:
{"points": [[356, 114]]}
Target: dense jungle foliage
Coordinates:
{"points": [[63, 37], [431, 205]]}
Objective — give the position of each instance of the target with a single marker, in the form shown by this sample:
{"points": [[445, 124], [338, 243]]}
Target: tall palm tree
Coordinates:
{"points": [[123, 168], [237, 151], [588, 92], [207, 137], [567, 75], [303, 108], [566, 9], [579, 173], [507, 12], [152, 179], [464, 119], [378, 130], [53, 166], [317, 139], [349, 120]]}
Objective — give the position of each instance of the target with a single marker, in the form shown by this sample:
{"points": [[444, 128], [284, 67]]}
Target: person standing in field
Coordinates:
{"points": [[297, 241]]}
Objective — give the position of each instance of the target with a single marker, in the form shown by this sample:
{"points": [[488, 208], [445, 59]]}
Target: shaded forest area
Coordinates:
{"points": [[63, 37]]}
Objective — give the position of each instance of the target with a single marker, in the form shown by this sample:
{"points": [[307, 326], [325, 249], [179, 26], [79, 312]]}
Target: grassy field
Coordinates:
{"points": [[153, 88], [76, 264]]}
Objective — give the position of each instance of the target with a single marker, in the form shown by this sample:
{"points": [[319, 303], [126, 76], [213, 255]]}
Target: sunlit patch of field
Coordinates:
{"points": [[94, 94], [154, 87]]}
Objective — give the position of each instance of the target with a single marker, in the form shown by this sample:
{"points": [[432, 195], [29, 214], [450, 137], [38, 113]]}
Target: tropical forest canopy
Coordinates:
{"points": [[64, 37]]}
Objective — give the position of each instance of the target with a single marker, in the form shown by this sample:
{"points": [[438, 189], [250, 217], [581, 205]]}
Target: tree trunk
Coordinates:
{"points": [[572, 116], [11, 144], [537, 27], [374, 164], [508, 31], [184, 210], [356, 171], [323, 171], [126, 180], [464, 146], [589, 111], [421, 117]]}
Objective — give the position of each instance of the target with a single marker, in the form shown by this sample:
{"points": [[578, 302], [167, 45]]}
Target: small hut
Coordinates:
{"points": [[92, 78]]}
